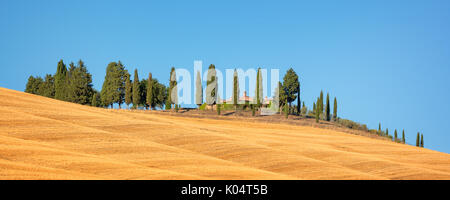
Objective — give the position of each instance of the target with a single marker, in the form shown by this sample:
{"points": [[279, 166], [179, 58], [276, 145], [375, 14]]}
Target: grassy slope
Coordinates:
{"points": [[42, 138]]}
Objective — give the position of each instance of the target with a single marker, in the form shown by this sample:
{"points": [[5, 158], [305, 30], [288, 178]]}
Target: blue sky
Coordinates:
{"points": [[386, 61]]}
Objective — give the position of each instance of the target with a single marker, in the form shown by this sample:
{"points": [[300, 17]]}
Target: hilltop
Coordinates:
{"points": [[43, 138]]}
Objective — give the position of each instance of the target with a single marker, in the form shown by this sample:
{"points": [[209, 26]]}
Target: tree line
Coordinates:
{"points": [[74, 84]]}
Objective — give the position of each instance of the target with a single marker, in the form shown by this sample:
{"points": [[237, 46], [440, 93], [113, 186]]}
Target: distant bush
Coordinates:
{"points": [[373, 131], [226, 106], [202, 107], [352, 125]]}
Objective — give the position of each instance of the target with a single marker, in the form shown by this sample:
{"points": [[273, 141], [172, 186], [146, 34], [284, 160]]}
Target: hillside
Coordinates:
{"points": [[42, 138]]}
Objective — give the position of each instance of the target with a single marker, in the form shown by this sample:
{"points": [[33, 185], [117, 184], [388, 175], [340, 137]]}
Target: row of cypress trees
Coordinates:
{"points": [[324, 113], [118, 89], [395, 138]]}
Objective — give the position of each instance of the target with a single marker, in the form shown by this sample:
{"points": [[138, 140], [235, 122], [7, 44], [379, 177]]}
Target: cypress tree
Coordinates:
{"points": [[299, 100], [60, 81], [257, 92], [314, 107], [119, 78], [379, 128], [421, 140], [253, 110], [335, 110], [418, 140], [317, 112], [136, 90], [403, 137], [327, 108], [150, 91], [320, 104], [395, 135], [198, 90], [235, 96], [387, 132], [128, 90], [108, 89], [70, 83], [95, 100]]}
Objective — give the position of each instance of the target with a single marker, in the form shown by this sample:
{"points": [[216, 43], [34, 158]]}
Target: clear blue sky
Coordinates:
{"points": [[386, 61]]}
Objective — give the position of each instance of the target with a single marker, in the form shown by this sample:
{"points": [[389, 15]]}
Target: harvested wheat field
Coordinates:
{"points": [[42, 138]]}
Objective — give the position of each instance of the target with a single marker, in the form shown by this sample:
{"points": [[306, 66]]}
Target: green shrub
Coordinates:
{"points": [[352, 125], [202, 107], [226, 106]]}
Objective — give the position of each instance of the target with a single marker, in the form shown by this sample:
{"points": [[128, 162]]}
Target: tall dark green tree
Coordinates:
{"points": [[421, 141], [395, 135], [335, 110], [314, 107], [150, 90], [327, 109], [136, 90], [60, 81], [69, 87], [282, 96], [403, 137], [418, 140], [291, 85], [33, 85], [80, 80], [320, 103], [299, 106], [120, 78], [143, 93], [387, 132], [379, 128], [48, 86], [159, 94], [128, 90], [113, 89], [317, 113], [96, 102], [259, 88], [198, 90]]}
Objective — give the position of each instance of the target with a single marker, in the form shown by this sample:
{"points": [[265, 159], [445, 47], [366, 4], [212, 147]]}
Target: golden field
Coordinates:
{"points": [[42, 138]]}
